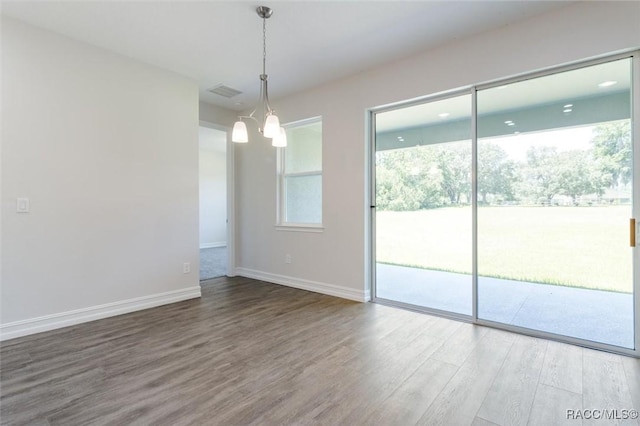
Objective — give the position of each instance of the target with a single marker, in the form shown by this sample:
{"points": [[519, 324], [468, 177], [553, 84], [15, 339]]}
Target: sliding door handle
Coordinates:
{"points": [[632, 232]]}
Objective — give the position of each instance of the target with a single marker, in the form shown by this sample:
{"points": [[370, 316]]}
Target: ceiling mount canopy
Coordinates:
{"points": [[264, 12], [269, 126]]}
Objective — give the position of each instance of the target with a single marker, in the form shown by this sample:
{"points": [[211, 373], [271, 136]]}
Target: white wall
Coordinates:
{"points": [[334, 261], [217, 115], [213, 188], [106, 149]]}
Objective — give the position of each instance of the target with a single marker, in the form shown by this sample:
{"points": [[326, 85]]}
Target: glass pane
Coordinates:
{"points": [[423, 205], [554, 201], [304, 150], [303, 199]]}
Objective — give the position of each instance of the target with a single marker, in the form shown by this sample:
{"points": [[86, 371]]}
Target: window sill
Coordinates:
{"points": [[300, 228]]}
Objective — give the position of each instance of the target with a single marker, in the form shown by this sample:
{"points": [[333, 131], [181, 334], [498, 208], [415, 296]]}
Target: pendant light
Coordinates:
{"points": [[270, 125]]}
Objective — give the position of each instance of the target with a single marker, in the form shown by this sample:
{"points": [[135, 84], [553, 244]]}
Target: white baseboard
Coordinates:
{"points": [[64, 319], [315, 286], [212, 245]]}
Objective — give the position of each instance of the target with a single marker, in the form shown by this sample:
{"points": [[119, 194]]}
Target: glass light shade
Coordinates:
{"points": [[239, 133], [271, 126], [280, 140]]}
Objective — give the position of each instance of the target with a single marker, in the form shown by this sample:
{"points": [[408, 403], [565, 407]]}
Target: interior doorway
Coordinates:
{"points": [[213, 227]]}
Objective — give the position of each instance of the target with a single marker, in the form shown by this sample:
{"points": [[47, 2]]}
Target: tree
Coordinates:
{"points": [[578, 174], [541, 173], [497, 174], [454, 163], [612, 148], [573, 173], [407, 179]]}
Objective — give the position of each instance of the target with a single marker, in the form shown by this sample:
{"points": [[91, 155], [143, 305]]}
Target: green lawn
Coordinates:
{"points": [[574, 246]]}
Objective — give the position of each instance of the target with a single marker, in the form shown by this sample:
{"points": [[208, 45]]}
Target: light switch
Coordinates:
{"points": [[22, 206]]}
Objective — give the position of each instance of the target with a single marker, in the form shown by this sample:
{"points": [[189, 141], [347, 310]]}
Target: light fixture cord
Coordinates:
{"points": [[264, 45], [264, 91]]}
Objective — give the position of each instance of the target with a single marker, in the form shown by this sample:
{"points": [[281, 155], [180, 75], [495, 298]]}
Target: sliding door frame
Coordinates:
{"points": [[371, 195], [473, 90]]}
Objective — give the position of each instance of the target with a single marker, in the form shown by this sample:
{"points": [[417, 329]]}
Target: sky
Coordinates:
{"points": [[516, 146]]}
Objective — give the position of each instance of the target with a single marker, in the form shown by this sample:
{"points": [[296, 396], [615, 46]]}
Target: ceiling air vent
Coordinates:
{"points": [[225, 91]]}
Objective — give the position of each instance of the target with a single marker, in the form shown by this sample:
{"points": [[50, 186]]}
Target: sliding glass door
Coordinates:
{"points": [[423, 205], [554, 201], [510, 205]]}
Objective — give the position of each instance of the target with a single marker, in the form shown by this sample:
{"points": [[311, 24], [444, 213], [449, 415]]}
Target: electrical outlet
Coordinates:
{"points": [[22, 205], [287, 258], [186, 268]]}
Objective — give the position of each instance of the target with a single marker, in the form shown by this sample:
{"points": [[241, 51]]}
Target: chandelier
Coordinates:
{"points": [[270, 125]]}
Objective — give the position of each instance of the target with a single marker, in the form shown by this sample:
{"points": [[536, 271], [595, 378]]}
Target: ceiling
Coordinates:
{"points": [[566, 88], [580, 97], [308, 42]]}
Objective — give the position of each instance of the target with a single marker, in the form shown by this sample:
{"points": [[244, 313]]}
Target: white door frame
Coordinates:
{"points": [[231, 198]]}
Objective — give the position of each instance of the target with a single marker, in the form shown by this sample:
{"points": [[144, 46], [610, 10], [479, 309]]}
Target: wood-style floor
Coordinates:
{"points": [[249, 352]]}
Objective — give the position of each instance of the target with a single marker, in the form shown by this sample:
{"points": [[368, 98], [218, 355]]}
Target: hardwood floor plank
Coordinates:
{"points": [[370, 378], [605, 386], [479, 421], [14, 357], [461, 398], [563, 367], [382, 377], [410, 400], [554, 406], [460, 344], [442, 328], [510, 397], [250, 352], [632, 370]]}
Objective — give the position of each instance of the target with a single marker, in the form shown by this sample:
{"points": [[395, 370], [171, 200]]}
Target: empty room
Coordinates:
{"points": [[320, 212]]}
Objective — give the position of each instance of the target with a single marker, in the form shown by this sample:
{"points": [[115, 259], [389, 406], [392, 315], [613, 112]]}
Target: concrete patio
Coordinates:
{"points": [[600, 316]]}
